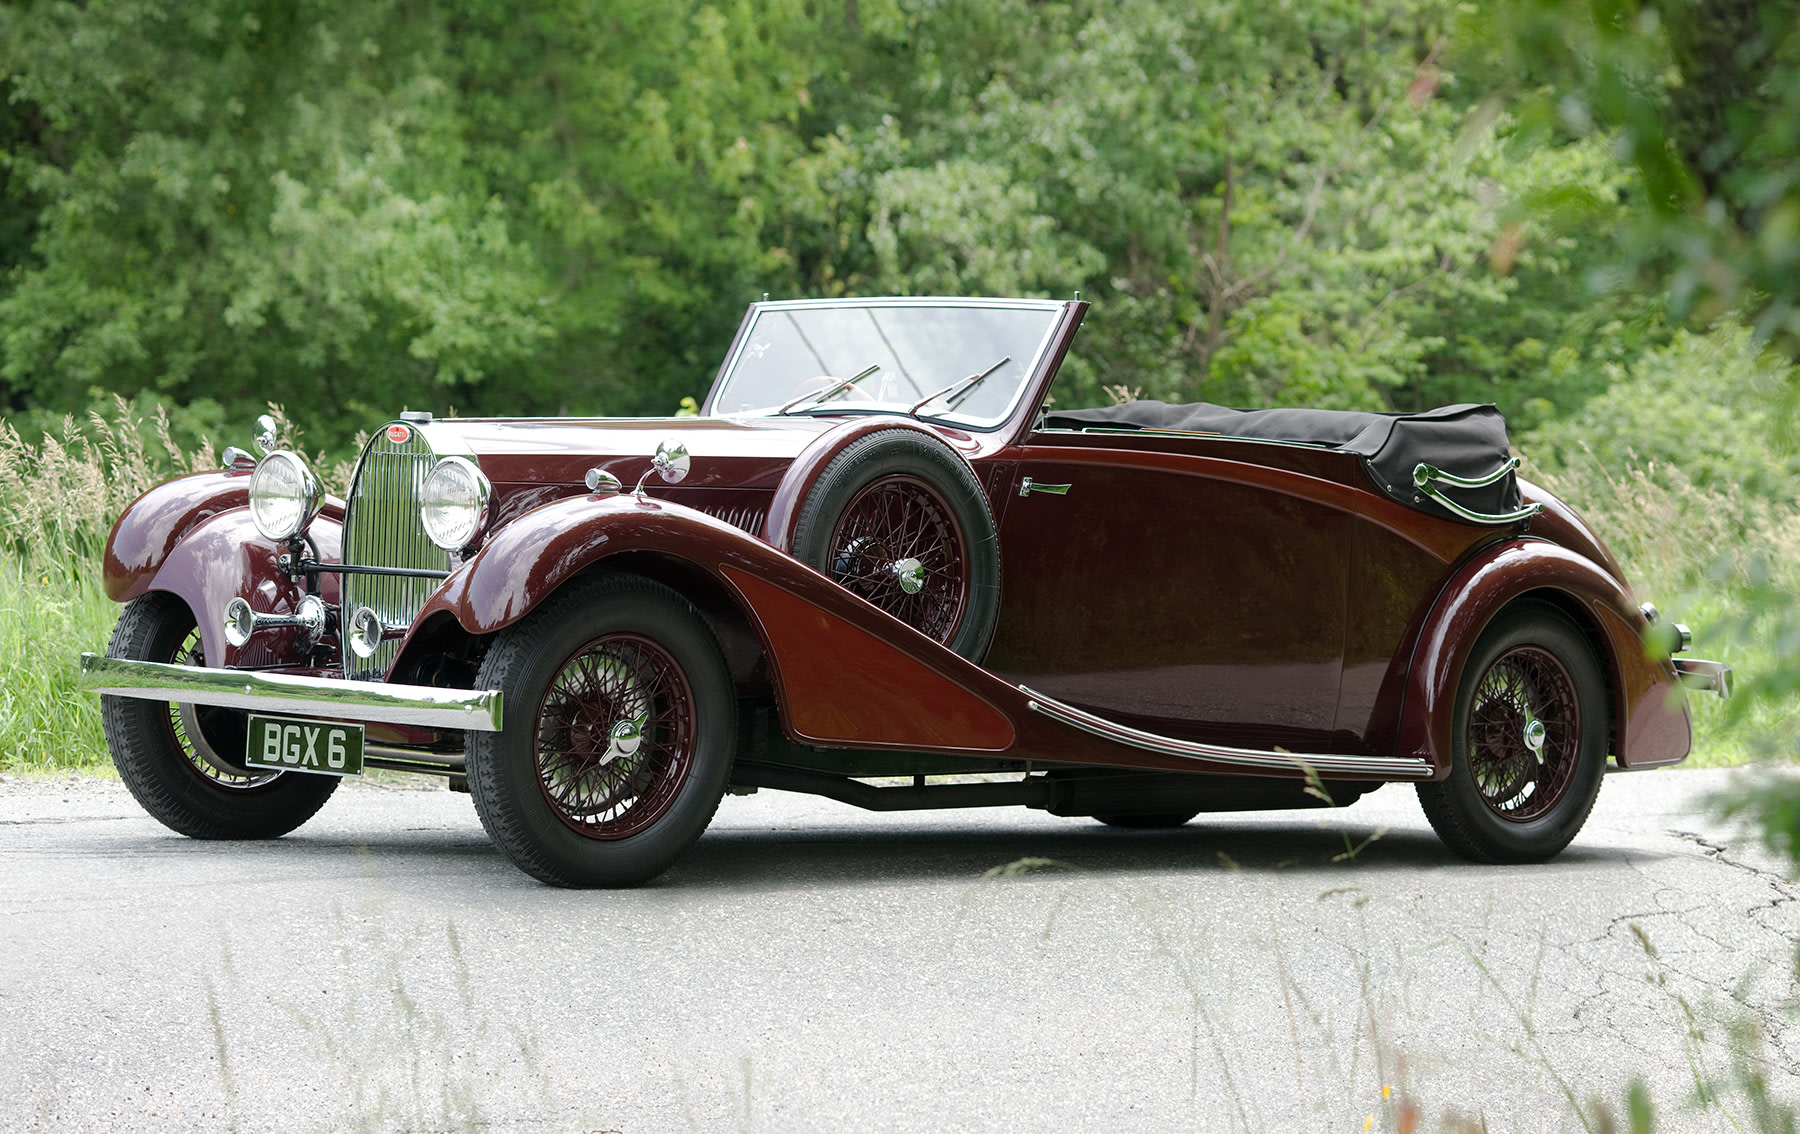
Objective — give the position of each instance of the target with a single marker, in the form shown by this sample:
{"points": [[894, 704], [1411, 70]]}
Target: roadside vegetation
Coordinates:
{"points": [[1587, 213]]}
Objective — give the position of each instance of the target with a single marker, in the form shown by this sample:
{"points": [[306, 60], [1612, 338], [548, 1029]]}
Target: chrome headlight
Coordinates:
{"points": [[453, 503], [284, 496]]}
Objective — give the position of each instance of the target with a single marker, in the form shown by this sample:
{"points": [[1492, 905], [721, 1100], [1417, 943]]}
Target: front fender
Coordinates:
{"points": [[1650, 719], [530, 558], [148, 530], [224, 557], [845, 672]]}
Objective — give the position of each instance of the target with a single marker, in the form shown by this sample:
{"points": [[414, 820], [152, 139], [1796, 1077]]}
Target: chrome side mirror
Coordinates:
{"points": [[672, 461], [265, 433]]}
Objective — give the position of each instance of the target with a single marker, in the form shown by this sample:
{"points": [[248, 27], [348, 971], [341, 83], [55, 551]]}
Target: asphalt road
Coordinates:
{"points": [[812, 967]]}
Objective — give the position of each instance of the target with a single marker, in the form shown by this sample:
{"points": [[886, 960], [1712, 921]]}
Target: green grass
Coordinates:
{"points": [[46, 620]]}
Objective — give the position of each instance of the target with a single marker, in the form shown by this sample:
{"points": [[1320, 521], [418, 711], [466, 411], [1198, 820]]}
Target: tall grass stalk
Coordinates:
{"points": [[46, 619], [59, 497]]}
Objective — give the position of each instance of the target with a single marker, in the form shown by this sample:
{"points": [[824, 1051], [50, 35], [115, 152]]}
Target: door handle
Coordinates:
{"points": [[1029, 486]]}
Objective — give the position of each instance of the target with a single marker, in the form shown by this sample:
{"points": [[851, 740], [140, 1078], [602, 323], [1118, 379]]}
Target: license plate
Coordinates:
{"points": [[289, 744]]}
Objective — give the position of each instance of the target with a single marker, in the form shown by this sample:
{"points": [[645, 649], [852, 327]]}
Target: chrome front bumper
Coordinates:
{"points": [[1698, 674], [286, 694]]}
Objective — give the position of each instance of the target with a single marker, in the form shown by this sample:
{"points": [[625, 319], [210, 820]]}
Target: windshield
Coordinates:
{"points": [[799, 356]]}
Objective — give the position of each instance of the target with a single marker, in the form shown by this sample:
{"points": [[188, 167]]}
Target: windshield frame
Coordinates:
{"points": [[1032, 369]]}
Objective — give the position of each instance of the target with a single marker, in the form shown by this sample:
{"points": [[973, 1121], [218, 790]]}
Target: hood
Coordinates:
{"points": [[737, 463], [747, 453]]}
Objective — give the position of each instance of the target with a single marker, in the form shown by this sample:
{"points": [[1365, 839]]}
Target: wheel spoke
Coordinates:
{"points": [[900, 518], [593, 783], [1523, 686]]}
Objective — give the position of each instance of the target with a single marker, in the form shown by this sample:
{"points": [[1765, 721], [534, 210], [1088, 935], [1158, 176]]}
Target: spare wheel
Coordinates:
{"points": [[899, 519]]}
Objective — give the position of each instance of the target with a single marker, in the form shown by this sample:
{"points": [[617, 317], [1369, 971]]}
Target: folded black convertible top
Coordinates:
{"points": [[1467, 441]]}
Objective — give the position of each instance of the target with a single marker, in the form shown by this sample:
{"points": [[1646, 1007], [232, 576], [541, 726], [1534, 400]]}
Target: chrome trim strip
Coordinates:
{"points": [[1696, 673], [1426, 476], [423, 705], [1424, 473], [1408, 767]]}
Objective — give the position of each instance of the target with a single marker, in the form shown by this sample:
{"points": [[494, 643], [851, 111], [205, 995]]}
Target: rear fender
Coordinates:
{"points": [[1649, 716], [224, 557], [844, 672]]}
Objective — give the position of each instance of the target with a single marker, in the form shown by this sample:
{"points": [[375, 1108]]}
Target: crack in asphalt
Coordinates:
{"points": [[1779, 882]]}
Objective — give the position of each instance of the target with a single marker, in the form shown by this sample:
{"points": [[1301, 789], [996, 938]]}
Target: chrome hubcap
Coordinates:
{"points": [[910, 574], [1534, 738], [626, 736]]}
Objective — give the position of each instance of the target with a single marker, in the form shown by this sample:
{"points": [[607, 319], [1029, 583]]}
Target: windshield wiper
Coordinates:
{"points": [[829, 391], [963, 386]]}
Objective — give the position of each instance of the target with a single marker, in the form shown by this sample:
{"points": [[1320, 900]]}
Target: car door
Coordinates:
{"points": [[1151, 581]]}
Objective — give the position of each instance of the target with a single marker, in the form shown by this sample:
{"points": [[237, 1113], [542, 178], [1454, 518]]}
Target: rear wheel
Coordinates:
{"points": [[1528, 742], [620, 733], [184, 763]]}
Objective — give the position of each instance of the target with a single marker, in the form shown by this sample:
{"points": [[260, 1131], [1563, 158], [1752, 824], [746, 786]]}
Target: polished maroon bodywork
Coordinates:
{"points": [[1222, 591]]}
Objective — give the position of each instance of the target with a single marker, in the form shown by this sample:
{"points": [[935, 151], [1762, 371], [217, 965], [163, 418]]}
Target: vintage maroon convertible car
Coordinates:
{"points": [[875, 555]]}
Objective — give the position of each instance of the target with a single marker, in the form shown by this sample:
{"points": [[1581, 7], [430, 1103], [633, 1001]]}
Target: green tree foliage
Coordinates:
{"points": [[563, 205], [1701, 100], [241, 201]]}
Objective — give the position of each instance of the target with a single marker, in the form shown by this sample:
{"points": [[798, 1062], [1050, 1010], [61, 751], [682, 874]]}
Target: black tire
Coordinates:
{"points": [[898, 495], [571, 800], [183, 763], [1149, 822], [1504, 801]]}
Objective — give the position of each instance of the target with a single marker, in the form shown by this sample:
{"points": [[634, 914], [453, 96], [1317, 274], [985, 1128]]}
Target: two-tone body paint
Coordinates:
{"points": [[1364, 626], [845, 673]]}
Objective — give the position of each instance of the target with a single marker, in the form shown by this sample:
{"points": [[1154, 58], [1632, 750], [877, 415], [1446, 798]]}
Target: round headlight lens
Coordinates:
{"points": [[284, 495], [453, 503]]}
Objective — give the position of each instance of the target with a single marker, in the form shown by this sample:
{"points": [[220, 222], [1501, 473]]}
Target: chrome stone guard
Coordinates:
{"points": [[334, 698], [1426, 477]]}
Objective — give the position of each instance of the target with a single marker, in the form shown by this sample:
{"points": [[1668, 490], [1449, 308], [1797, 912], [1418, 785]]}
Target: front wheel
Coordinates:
{"points": [[1529, 742], [184, 763], [620, 733]]}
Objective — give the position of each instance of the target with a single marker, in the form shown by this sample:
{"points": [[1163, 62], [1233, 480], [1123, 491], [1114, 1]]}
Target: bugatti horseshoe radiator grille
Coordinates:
{"points": [[382, 529]]}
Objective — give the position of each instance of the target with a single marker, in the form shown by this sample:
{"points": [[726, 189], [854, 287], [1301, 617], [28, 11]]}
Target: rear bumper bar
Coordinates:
{"points": [[1698, 674], [425, 706]]}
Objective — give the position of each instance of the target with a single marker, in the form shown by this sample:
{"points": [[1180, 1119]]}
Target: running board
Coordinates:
{"points": [[1397, 767]]}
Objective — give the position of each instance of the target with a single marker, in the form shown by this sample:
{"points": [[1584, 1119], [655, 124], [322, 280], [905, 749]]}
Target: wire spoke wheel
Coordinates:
{"points": [[898, 518], [620, 733], [1524, 734], [1528, 740], [615, 736], [208, 735], [184, 762], [898, 546]]}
